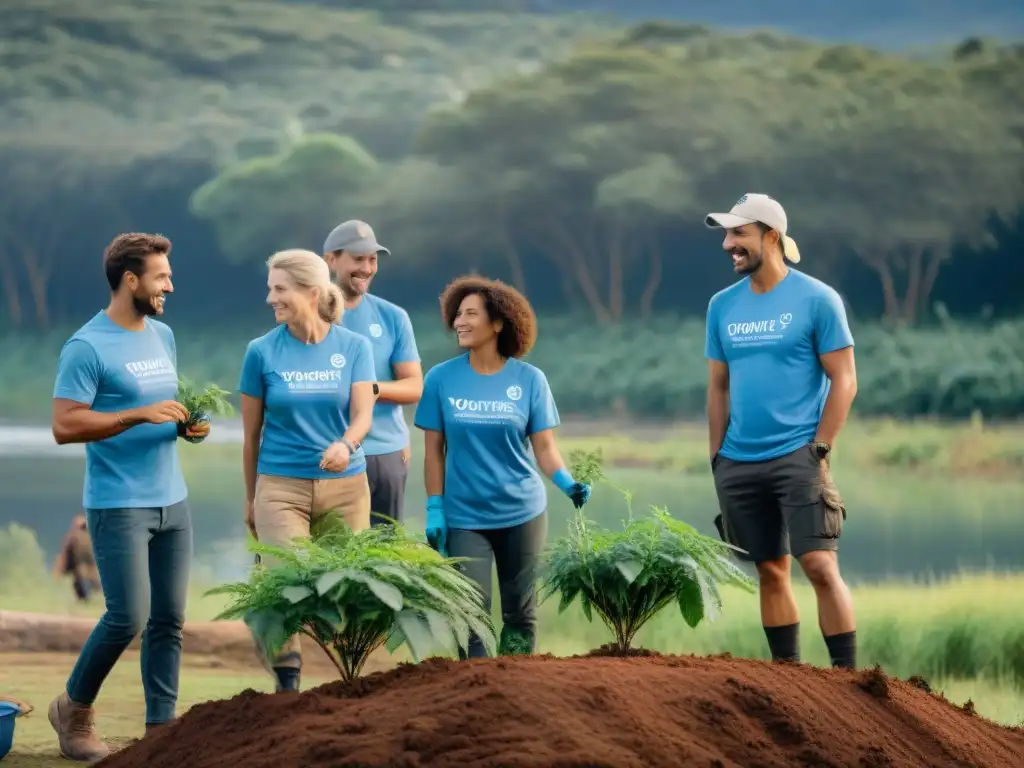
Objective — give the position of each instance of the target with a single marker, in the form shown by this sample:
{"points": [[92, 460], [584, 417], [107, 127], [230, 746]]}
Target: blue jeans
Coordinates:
{"points": [[143, 556]]}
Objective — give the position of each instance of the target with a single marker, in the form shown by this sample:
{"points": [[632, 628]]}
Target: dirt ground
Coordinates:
{"points": [[598, 711]]}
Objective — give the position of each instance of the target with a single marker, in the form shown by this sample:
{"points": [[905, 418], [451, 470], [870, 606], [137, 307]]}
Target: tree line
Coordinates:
{"points": [[582, 178]]}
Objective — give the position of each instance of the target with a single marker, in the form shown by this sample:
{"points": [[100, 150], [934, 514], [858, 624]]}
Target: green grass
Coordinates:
{"points": [[120, 707]]}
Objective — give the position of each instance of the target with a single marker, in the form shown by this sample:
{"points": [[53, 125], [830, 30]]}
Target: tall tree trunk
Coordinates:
{"points": [[615, 298], [653, 279], [931, 273], [38, 285], [514, 259], [10, 287], [891, 311], [579, 269], [912, 299]]}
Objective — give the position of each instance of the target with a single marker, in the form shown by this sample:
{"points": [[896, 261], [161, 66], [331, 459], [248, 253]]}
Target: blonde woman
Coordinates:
{"points": [[307, 404]]}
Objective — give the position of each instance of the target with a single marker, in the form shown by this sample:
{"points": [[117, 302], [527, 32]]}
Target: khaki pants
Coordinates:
{"points": [[286, 507]]}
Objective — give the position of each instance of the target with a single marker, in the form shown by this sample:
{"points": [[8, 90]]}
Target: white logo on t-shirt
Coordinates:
{"points": [[152, 372], [514, 393], [338, 361], [376, 331], [312, 381], [755, 333]]}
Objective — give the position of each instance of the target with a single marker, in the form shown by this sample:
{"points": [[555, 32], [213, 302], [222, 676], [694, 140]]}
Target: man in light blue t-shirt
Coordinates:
{"points": [[352, 252], [115, 389], [781, 382]]}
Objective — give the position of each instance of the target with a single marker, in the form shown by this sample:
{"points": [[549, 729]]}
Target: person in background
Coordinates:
{"points": [[115, 388], [307, 403], [75, 558], [781, 382], [352, 252], [481, 413]]}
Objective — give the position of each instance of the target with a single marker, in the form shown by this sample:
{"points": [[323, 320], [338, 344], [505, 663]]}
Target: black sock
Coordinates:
{"points": [[842, 649], [287, 678], [784, 642]]}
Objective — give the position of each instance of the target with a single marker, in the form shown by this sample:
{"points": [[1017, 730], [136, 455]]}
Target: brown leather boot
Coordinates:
{"points": [[76, 732]]}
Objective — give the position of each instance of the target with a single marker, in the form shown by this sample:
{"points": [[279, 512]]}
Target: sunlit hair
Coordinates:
{"points": [[308, 270]]}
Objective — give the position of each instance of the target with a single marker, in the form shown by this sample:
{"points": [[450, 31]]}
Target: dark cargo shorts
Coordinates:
{"points": [[784, 506]]}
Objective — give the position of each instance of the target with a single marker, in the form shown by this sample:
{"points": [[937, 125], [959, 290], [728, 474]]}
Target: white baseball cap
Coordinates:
{"points": [[755, 207]]}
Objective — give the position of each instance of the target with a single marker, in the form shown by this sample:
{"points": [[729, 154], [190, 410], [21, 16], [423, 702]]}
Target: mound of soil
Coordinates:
{"points": [[600, 710]]}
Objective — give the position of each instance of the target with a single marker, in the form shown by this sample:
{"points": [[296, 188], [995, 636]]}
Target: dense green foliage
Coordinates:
{"points": [[572, 157], [352, 592], [651, 368], [628, 576]]}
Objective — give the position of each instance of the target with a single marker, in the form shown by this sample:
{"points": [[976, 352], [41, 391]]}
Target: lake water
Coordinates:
{"points": [[897, 526]]}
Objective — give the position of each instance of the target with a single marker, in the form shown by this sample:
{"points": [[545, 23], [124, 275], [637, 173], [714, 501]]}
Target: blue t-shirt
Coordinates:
{"points": [[112, 369], [305, 390], [490, 479], [389, 330], [771, 343]]}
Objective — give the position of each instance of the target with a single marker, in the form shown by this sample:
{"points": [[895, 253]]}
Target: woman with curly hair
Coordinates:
{"points": [[480, 414]]}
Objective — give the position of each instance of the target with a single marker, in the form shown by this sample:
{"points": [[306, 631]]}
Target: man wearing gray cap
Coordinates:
{"points": [[351, 251], [781, 382]]}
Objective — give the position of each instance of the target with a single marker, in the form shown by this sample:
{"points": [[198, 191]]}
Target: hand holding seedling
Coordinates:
{"points": [[160, 413], [199, 428], [198, 406]]}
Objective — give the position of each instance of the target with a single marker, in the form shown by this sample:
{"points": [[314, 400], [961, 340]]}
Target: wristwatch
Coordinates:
{"points": [[821, 450], [351, 448], [376, 389]]}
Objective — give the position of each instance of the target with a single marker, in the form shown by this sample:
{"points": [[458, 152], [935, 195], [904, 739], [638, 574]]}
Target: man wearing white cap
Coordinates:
{"points": [[781, 382], [351, 251]]}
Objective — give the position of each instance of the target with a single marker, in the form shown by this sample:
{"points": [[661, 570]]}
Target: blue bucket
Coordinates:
{"points": [[8, 713]]}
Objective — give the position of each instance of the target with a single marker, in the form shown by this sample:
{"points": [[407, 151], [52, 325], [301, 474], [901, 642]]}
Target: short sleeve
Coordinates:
{"points": [[712, 344], [543, 412], [429, 415], [831, 329], [78, 372], [251, 380], [362, 364], [405, 340]]}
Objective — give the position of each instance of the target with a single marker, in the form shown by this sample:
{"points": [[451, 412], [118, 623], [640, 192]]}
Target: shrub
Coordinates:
{"points": [[629, 576], [352, 592]]}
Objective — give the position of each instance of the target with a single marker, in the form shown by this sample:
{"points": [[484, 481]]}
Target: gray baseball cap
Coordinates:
{"points": [[354, 236]]}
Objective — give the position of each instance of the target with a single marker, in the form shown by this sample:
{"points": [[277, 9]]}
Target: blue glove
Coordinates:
{"points": [[437, 526], [578, 493]]}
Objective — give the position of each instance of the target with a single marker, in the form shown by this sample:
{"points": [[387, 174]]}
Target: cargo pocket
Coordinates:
{"points": [[834, 509]]}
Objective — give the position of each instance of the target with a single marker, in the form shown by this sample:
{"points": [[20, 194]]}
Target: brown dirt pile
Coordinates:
{"points": [[644, 711]]}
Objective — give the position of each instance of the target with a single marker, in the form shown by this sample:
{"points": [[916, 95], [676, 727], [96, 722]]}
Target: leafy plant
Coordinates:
{"points": [[203, 403], [352, 592], [628, 576]]}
